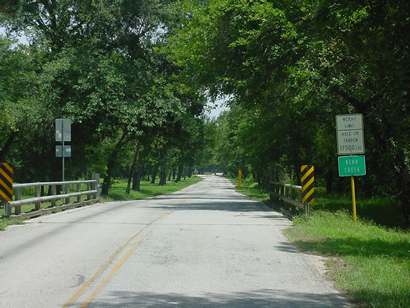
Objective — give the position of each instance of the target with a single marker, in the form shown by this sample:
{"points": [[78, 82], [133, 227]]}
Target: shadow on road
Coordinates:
{"points": [[230, 205], [259, 298]]}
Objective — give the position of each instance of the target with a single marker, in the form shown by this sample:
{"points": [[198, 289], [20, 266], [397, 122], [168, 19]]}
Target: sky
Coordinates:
{"points": [[215, 108], [22, 39]]}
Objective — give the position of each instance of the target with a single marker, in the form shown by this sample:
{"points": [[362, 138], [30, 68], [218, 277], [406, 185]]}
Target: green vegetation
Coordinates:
{"points": [[148, 189], [252, 190], [4, 222], [134, 77], [103, 65], [370, 263], [288, 68], [384, 211]]}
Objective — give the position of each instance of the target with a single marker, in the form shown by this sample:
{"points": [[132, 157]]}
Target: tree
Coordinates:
{"points": [[290, 67]]}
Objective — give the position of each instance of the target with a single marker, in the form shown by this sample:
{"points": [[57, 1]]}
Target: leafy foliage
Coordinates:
{"points": [[290, 67], [100, 64]]}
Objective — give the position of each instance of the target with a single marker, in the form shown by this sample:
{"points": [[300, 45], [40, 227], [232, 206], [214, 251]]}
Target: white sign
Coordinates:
{"points": [[63, 130], [350, 137], [59, 151], [349, 122]]}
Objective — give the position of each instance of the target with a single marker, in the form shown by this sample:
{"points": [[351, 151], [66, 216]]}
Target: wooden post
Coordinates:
{"points": [[96, 186], [89, 187], [38, 194], [17, 208], [66, 190], [78, 188], [53, 192], [7, 209]]}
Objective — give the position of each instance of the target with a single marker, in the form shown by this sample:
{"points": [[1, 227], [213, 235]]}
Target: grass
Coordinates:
{"points": [[381, 210], [118, 193], [371, 263], [4, 222], [252, 190]]}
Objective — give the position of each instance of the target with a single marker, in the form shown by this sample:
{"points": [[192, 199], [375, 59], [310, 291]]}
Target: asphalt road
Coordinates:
{"points": [[205, 246]]}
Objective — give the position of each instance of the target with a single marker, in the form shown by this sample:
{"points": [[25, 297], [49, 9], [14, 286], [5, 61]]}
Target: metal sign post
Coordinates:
{"points": [[350, 140], [63, 134]]}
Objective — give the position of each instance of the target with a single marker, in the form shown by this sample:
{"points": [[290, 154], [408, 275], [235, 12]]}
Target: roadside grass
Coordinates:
{"points": [[4, 222], [252, 190], [381, 210], [369, 262], [117, 192]]}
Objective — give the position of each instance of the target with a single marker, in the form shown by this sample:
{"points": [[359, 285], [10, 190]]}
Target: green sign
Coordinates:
{"points": [[354, 165]]}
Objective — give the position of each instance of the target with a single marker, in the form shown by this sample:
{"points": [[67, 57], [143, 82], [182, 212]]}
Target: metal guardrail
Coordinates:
{"points": [[288, 193], [67, 191]]}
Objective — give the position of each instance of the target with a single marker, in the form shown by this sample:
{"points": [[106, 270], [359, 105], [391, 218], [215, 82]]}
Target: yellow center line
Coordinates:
{"points": [[86, 285], [110, 276]]}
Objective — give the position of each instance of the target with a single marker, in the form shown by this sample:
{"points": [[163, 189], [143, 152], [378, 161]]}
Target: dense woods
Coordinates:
{"points": [[289, 67], [101, 64]]}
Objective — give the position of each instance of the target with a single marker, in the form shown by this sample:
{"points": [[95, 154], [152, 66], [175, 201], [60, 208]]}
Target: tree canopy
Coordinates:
{"points": [[290, 68]]}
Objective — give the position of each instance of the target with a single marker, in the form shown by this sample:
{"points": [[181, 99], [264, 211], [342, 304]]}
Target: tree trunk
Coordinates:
{"points": [[404, 186], [154, 174], [132, 169], [179, 173], [162, 175], [138, 175], [110, 165], [329, 181]]}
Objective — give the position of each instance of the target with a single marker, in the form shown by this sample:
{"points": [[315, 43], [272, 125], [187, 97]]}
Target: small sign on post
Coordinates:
{"points": [[63, 134], [308, 185], [354, 165], [63, 152], [350, 141], [63, 130], [349, 130]]}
